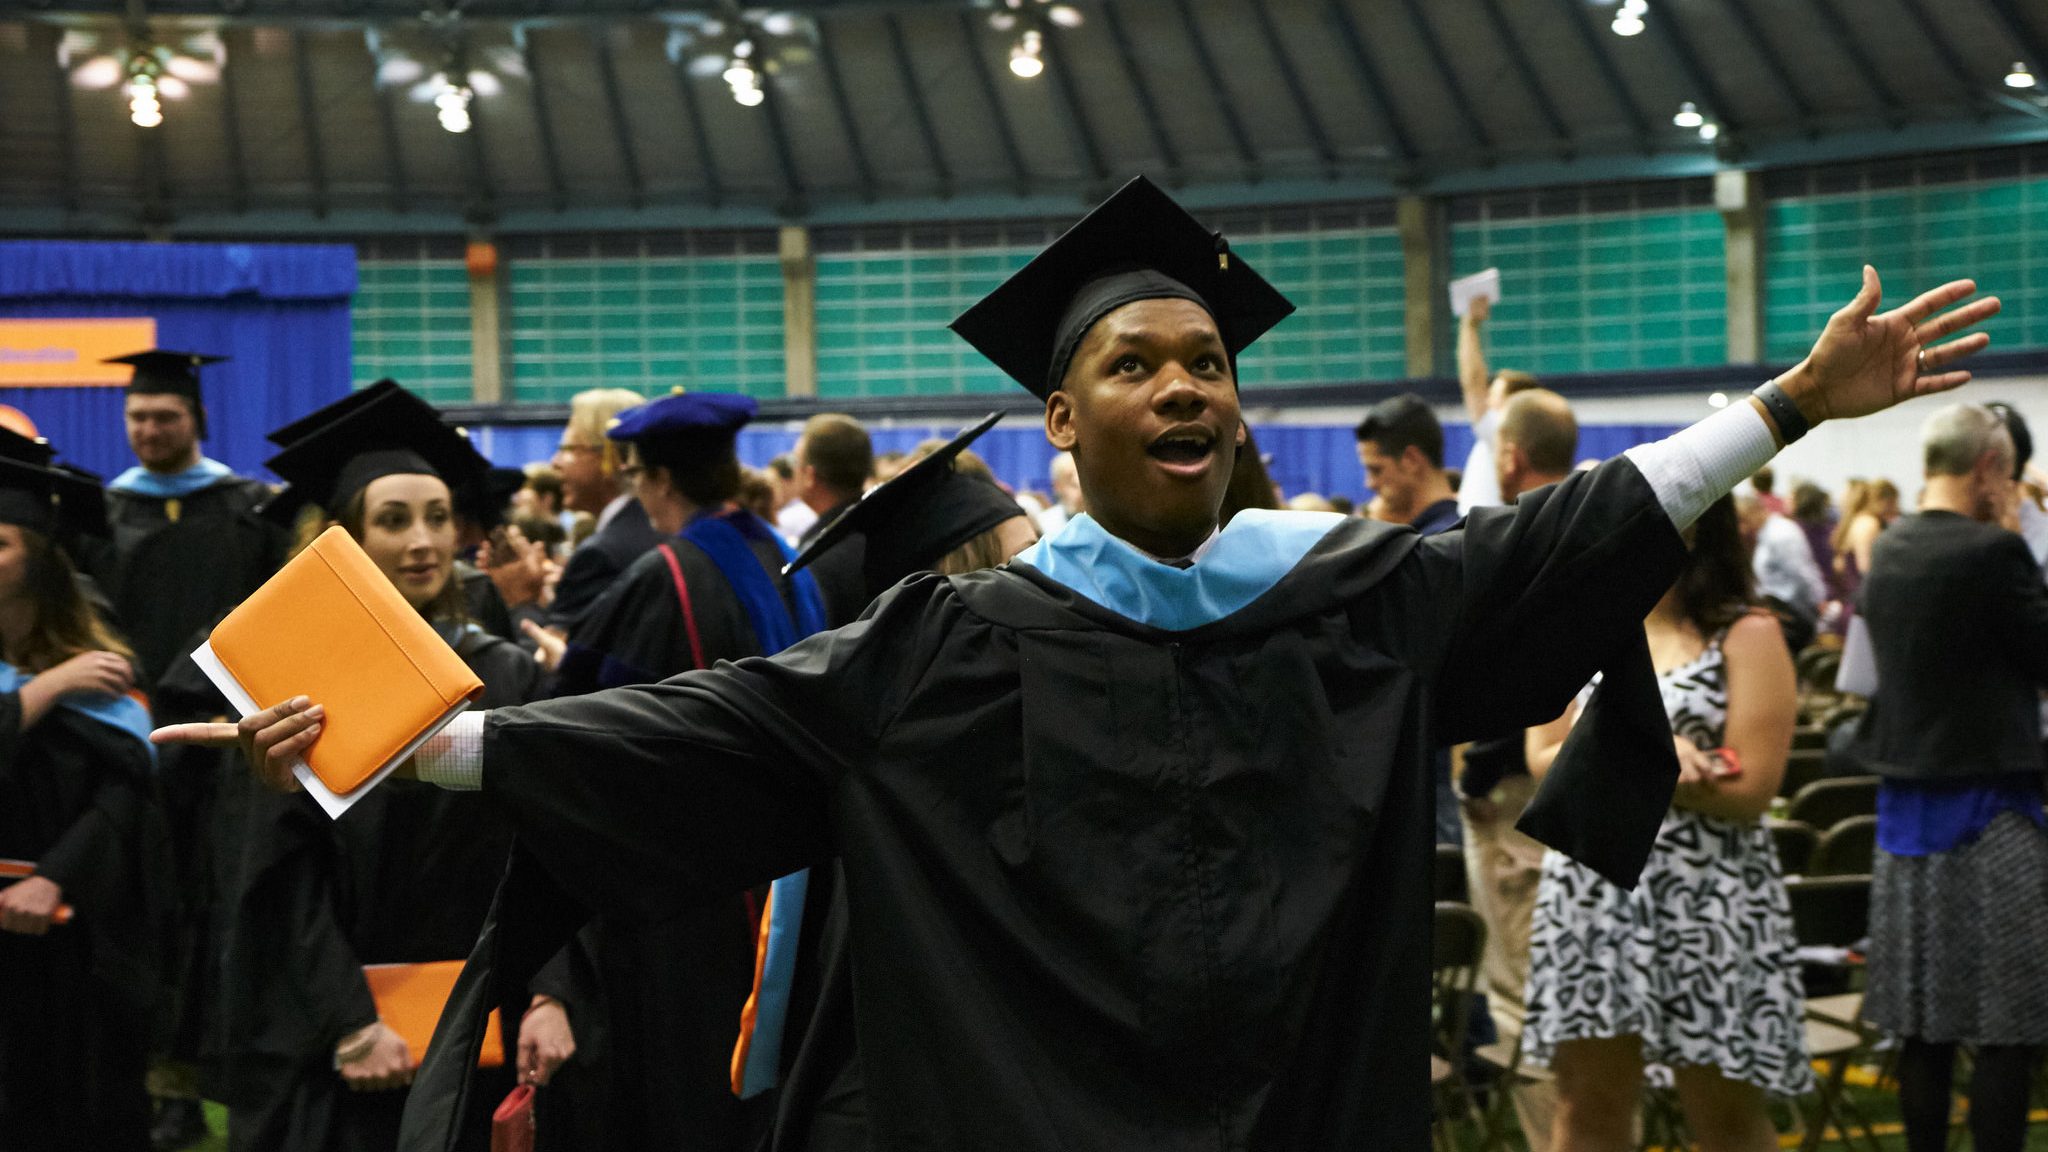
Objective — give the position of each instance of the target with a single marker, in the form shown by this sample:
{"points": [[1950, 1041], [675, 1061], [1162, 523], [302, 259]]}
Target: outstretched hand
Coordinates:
{"points": [[1866, 361], [270, 739]]}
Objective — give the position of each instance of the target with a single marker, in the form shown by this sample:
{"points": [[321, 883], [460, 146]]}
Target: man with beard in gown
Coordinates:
{"points": [[185, 550], [1136, 828]]}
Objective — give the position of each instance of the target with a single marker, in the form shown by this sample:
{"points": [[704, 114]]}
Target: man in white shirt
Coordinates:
{"points": [[1485, 395], [1067, 501]]}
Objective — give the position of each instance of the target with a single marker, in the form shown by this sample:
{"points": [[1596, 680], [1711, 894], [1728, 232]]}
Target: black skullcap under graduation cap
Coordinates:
{"points": [[919, 515], [382, 431], [1137, 245], [483, 499], [52, 501]]}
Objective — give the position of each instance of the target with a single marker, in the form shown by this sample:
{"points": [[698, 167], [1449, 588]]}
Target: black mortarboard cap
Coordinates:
{"points": [[26, 449], [84, 503], [919, 515], [160, 370], [320, 417], [53, 501], [362, 437], [1137, 245]]}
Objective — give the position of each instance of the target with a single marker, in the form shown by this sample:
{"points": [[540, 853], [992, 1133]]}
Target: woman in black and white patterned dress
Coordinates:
{"points": [[1695, 969]]}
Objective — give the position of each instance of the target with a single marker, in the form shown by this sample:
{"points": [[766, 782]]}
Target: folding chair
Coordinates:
{"points": [[1847, 849], [1826, 803], [1450, 882], [1794, 843], [1803, 767], [1833, 913], [1457, 942]]}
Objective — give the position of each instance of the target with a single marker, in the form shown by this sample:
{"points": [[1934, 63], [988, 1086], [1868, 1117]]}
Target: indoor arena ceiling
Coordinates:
{"points": [[336, 115]]}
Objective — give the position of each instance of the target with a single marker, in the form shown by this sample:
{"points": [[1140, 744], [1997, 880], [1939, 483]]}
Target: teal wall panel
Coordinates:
{"points": [[882, 313], [1994, 231], [411, 323], [1601, 291], [882, 319], [1350, 319], [646, 322]]}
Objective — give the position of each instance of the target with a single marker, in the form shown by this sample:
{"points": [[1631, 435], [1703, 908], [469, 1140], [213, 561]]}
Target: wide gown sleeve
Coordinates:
{"points": [[291, 894], [713, 781], [1539, 597]]}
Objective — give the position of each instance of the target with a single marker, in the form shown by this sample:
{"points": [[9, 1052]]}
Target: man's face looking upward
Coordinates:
{"points": [[1149, 409]]}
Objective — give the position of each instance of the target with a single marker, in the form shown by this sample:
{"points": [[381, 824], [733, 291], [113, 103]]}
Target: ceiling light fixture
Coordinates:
{"points": [[1027, 59], [2019, 77], [452, 104], [1628, 20], [144, 108], [742, 78], [1710, 131], [1688, 116]]}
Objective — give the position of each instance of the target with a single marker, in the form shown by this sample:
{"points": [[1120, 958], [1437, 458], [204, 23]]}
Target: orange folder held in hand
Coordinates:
{"points": [[329, 626], [410, 998], [12, 870]]}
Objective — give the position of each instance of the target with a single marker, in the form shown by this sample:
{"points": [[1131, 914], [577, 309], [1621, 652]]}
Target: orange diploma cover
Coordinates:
{"points": [[410, 998], [12, 870], [329, 626]]}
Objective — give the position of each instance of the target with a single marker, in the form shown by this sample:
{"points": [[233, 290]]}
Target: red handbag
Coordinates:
{"points": [[512, 1126]]}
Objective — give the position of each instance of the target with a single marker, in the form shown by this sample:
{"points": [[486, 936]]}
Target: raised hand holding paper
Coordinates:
{"points": [[329, 626], [1466, 289]]}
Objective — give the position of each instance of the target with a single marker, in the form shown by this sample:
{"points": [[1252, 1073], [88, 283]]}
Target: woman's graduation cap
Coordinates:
{"points": [[919, 515], [381, 431], [53, 501], [1137, 245]]}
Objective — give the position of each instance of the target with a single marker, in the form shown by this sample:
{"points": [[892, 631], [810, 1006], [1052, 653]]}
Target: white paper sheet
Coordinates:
{"points": [[1858, 672], [332, 802], [1466, 289]]}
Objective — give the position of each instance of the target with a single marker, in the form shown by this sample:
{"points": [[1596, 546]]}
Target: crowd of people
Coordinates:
{"points": [[863, 802]]}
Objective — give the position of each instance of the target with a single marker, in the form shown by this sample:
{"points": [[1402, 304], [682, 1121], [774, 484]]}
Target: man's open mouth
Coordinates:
{"points": [[1183, 446]]}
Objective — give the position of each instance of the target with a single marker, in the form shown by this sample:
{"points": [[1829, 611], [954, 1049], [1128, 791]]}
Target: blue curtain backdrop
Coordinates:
{"points": [[281, 312], [1306, 458]]}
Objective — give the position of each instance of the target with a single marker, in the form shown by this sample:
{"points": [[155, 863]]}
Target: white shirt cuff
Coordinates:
{"points": [[1691, 469], [453, 758]]}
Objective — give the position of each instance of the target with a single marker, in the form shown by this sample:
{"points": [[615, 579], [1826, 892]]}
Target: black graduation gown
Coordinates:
{"points": [[655, 997], [838, 572], [317, 900], [599, 561], [485, 606], [182, 563], [1114, 887], [205, 794], [76, 1003]]}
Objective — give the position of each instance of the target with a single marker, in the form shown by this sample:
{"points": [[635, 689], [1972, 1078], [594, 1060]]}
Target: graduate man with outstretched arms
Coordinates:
{"points": [[1136, 828]]}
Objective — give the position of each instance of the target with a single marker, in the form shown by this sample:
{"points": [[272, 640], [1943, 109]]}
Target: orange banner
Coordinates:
{"points": [[67, 353]]}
